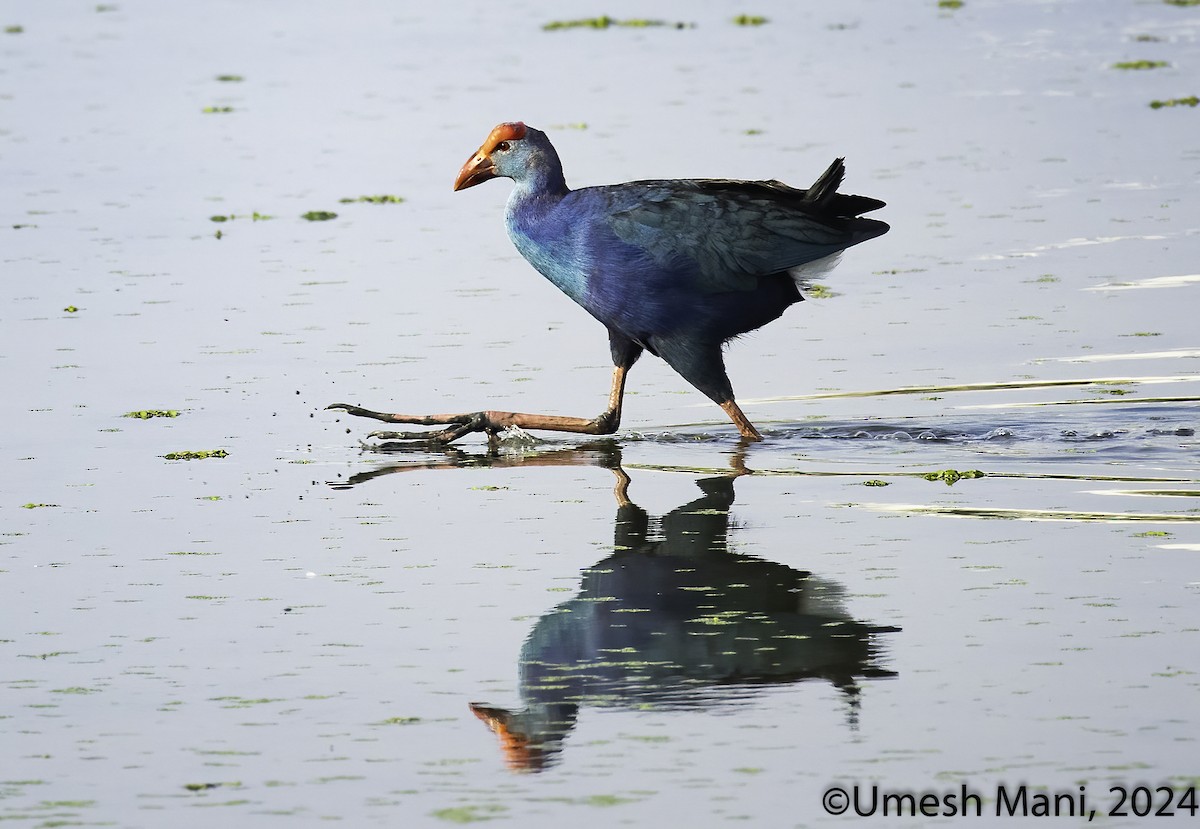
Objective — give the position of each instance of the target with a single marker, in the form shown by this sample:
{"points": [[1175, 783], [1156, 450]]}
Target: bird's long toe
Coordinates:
{"points": [[457, 426], [389, 435], [359, 411]]}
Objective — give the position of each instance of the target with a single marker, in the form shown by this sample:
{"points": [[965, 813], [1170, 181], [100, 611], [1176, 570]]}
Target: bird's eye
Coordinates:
{"points": [[503, 146]]}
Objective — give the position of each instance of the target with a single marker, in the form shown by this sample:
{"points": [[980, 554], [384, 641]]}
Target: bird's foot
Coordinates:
{"points": [[489, 422], [457, 425]]}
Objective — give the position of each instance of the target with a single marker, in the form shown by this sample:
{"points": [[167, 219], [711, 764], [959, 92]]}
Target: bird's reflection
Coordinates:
{"points": [[673, 619]]}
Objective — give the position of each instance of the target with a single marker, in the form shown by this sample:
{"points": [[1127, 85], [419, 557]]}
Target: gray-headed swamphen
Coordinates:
{"points": [[676, 268]]}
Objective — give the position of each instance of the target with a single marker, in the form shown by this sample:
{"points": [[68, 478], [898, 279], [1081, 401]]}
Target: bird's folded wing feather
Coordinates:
{"points": [[734, 232]]}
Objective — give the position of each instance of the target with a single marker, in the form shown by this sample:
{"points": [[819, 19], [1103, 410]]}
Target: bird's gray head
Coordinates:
{"points": [[511, 150]]}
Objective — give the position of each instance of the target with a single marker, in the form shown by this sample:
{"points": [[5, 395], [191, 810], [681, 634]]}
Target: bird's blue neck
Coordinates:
{"points": [[543, 234]]}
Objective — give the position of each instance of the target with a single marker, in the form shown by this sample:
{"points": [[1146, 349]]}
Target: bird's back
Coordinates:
{"points": [[739, 231]]}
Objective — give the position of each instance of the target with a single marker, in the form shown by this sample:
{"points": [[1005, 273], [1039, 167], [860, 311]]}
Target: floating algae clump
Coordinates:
{"points": [[195, 456], [1140, 64], [952, 476], [604, 22], [255, 216], [818, 291], [1189, 101], [373, 199]]}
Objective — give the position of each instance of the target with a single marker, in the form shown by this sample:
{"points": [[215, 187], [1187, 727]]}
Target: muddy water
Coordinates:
{"points": [[662, 628]]}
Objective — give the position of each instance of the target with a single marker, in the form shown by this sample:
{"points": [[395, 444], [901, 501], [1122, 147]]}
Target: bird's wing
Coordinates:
{"points": [[736, 231]]}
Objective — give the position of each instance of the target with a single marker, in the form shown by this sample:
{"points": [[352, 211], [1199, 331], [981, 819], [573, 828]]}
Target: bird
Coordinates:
{"points": [[677, 268]]}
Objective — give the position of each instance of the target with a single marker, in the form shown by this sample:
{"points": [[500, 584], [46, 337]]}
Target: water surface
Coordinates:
{"points": [[664, 628]]}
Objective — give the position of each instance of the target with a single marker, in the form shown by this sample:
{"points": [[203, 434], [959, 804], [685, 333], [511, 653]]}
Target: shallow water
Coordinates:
{"points": [[673, 628]]}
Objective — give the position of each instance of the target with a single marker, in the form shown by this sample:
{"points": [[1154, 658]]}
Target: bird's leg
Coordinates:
{"points": [[494, 422], [621, 490], [703, 365], [740, 420]]}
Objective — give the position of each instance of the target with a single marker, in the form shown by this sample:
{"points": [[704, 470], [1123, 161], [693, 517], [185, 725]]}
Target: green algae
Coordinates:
{"points": [[189, 455], [254, 217], [230, 78], [950, 4], [952, 476], [875, 482], [604, 800], [318, 216], [146, 414], [604, 22], [750, 20], [211, 110], [1140, 64], [469, 814], [818, 291], [1189, 101], [36, 506], [200, 787], [383, 199], [235, 701]]}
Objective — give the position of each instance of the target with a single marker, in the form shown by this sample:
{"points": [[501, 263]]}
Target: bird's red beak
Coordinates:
{"points": [[478, 169]]}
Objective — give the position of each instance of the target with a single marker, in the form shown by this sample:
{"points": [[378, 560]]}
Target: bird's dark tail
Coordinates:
{"points": [[824, 195], [825, 188]]}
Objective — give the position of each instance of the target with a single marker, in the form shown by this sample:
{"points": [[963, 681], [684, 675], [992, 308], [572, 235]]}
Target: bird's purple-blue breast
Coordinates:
{"points": [[545, 234]]}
